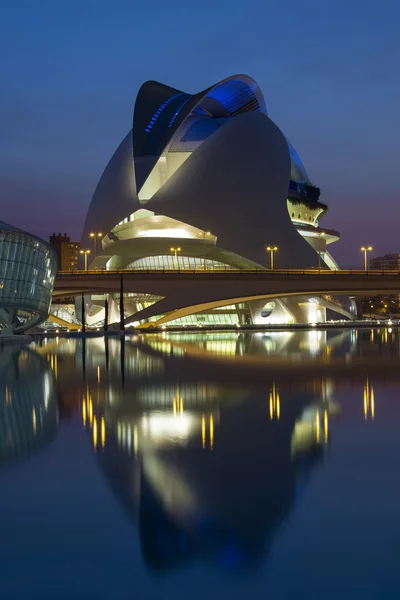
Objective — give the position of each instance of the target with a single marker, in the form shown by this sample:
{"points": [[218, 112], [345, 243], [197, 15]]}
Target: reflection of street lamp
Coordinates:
{"points": [[85, 252], [366, 249], [94, 237], [175, 251], [205, 233], [271, 250]]}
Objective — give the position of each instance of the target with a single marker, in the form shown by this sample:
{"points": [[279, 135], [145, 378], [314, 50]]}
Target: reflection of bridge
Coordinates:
{"points": [[188, 292]]}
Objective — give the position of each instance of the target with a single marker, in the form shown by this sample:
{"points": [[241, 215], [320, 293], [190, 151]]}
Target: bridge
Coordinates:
{"points": [[186, 292]]}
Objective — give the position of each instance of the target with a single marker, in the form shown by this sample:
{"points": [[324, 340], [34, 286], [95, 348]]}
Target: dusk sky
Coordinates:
{"points": [[329, 71]]}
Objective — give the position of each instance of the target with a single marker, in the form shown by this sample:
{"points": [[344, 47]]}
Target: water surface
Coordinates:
{"points": [[237, 465]]}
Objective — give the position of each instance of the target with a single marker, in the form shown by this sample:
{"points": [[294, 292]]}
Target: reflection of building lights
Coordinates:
{"points": [[326, 426], [95, 433], [369, 400], [90, 411], [317, 427], [135, 440], [160, 425], [211, 432], [203, 431], [274, 403], [103, 432], [34, 420], [98, 374], [84, 412]]}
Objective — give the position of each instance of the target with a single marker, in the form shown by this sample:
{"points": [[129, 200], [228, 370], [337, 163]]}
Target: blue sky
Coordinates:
{"points": [[70, 71]]}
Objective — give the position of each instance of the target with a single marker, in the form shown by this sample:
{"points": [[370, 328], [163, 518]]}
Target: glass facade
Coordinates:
{"points": [[28, 403], [28, 268], [169, 261]]}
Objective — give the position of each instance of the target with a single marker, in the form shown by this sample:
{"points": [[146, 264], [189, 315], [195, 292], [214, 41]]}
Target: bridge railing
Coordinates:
{"points": [[233, 272]]}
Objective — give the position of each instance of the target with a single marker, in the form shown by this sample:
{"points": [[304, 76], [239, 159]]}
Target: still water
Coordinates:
{"points": [[221, 465]]}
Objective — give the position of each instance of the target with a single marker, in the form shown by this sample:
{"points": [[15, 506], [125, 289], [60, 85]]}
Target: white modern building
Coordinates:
{"points": [[203, 182]]}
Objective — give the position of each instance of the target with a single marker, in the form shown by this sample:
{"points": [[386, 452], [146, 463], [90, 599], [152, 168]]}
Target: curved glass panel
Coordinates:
{"points": [[297, 169], [28, 268]]}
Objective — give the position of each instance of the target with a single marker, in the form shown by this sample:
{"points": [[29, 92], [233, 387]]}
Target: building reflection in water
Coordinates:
{"points": [[28, 403], [206, 472], [369, 401], [283, 344], [206, 464]]}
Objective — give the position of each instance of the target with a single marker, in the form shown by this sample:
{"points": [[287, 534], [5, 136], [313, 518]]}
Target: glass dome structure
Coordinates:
{"points": [[28, 267]]}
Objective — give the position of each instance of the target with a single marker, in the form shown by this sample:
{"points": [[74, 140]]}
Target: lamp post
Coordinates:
{"points": [[205, 233], [85, 253], [366, 249], [271, 250], [175, 250], [94, 237]]}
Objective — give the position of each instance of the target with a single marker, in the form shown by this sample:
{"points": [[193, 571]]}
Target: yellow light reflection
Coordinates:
{"points": [[274, 403], [369, 400], [317, 428], [8, 395], [203, 431], [84, 413], [34, 420], [103, 432], [326, 426], [90, 410], [372, 403], [98, 374], [95, 433], [211, 432]]}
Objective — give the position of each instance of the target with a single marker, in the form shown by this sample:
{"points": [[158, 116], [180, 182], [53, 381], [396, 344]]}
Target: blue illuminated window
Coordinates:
{"points": [[160, 109]]}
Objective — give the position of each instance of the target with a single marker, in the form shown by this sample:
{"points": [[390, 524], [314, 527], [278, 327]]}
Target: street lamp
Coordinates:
{"points": [[205, 233], [366, 249], [175, 250], [94, 237], [85, 253], [271, 250]]}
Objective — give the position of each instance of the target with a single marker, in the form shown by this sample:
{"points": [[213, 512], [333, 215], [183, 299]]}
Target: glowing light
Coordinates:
{"points": [[90, 411], [372, 403], [84, 413], [95, 433], [317, 428], [203, 431], [98, 374], [274, 403], [326, 426], [166, 233], [211, 432], [164, 426], [103, 432], [369, 400]]}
